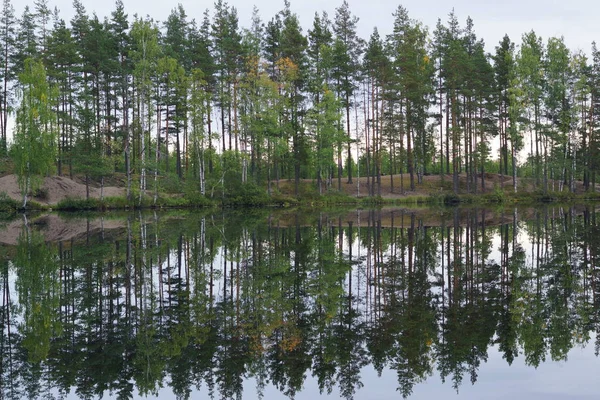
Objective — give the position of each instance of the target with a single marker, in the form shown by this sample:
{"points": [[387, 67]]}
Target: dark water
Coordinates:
{"points": [[359, 304]]}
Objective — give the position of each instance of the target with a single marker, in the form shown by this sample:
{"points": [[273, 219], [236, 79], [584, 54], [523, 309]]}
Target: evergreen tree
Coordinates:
{"points": [[202, 59], [319, 42], [272, 45], [144, 54], [412, 65], [293, 67], [558, 106], [62, 61], [7, 52], [453, 72], [377, 68], [26, 41], [593, 149], [346, 64], [120, 82], [531, 71]]}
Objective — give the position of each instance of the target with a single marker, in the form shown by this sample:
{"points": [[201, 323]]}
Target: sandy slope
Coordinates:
{"points": [[56, 189]]}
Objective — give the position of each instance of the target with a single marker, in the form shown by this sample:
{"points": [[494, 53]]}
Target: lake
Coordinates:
{"points": [[465, 303]]}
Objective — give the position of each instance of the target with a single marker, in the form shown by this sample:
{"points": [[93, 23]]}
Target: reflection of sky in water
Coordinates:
{"points": [[573, 379]]}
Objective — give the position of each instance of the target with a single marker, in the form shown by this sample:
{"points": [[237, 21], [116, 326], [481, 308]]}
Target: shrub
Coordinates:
{"points": [[115, 203], [7, 205], [247, 194], [497, 196], [170, 183], [451, 199], [195, 199], [72, 204], [40, 193]]}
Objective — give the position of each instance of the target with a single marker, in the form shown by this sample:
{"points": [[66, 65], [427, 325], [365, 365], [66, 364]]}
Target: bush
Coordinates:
{"points": [[170, 183], [337, 197], [7, 205], [497, 196], [451, 199], [247, 194], [195, 199], [72, 204], [40, 193], [115, 203]]}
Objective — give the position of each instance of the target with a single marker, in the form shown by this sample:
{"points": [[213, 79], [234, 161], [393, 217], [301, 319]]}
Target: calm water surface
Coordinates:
{"points": [[452, 303]]}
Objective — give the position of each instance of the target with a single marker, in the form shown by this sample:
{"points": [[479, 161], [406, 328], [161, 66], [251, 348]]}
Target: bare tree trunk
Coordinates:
{"points": [[514, 167]]}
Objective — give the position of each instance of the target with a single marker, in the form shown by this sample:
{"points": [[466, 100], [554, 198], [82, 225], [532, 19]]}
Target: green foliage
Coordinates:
{"points": [[247, 194], [73, 204], [451, 199], [497, 196], [40, 193], [7, 205], [119, 203], [195, 199], [170, 183], [34, 147], [137, 96]]}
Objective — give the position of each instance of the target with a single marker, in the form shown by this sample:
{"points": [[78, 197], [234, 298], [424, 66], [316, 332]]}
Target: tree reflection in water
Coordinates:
{"points": [[192, 300]]}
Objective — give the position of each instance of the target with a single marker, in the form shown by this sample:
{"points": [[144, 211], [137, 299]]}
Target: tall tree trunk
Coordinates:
{"points": [[349, 155], [455, 140]]}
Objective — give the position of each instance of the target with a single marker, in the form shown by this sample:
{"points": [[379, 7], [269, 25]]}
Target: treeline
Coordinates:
{"points": [[205, 101], [212, 301]]}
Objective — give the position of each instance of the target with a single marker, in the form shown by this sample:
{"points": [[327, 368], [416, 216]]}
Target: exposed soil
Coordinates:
{"points": [[57, 188]]}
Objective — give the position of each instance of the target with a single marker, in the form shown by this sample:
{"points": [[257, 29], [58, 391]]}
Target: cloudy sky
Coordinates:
{"points": [[576, 20]]}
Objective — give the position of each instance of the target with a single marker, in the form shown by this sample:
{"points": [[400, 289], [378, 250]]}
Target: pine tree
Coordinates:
{"points": [[438, 54], [453, 72], [62, 60], [346, 64], [293, 67], [593, 148], [26, 41], [176, 45], [503, 65], [272, 45], [42, 16], [227, 53], [319, 42], [7, 52], [377, 67], [515, 107], [485, 111], [530, 69], [144, 54], [412, 65], [558, 107], [120, 82], [202, 58]]}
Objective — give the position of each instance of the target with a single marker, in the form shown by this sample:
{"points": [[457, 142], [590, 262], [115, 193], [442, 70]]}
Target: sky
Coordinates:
{"points": [[575, 20]]}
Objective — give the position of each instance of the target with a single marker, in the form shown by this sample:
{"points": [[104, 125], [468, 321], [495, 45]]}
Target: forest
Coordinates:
{"points": [[204, 105]]}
